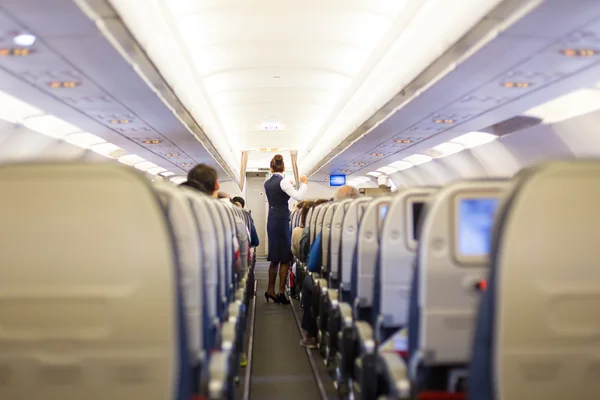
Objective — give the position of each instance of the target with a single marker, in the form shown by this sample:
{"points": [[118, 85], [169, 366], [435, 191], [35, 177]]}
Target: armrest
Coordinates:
{"points": [[228, 336], [332, 294], [365, 335], [346, 314], [219, 372], [396, 374]]}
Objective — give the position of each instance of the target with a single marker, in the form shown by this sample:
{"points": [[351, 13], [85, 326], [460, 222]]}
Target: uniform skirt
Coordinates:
{"points": [[280, 239]]}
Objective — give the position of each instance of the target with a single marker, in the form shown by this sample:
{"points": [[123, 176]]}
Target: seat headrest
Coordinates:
{"points": [[452, 260], [326, 232], [87, 251], [540, 314]]}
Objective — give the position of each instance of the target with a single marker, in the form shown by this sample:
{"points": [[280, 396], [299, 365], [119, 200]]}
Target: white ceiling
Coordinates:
{"points": [[313, 69]]}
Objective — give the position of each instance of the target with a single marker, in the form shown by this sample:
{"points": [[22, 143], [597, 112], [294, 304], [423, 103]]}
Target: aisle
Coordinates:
{"points": [[280, 367]]}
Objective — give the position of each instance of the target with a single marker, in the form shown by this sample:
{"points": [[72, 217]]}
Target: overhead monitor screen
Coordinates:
{"points": [[475, 222], [337, 180], [417, 210]]}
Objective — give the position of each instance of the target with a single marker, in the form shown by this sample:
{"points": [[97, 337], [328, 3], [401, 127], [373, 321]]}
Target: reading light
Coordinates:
{"points": [[474, 139], [403, 141], [145, 165], [156, 170], [172, 155], [444, 121], [84, 139], [166, 174], [119, 121], [152, 141], [417, 159], [131, 159], [24, 39], [359, 164], [387, 170], [63, 84], [578, 52], [400, 165], [374, 174], [15, 52], [517, 85], [377, 154], [444, 149], [108, 150]]}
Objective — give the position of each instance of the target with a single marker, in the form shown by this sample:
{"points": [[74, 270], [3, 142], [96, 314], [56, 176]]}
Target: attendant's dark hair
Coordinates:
{"points": [[277, 164], [203, 178], [238, 199]]}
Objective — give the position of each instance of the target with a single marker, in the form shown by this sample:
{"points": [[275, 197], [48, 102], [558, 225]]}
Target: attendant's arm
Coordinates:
{"points": [[297, 195]]}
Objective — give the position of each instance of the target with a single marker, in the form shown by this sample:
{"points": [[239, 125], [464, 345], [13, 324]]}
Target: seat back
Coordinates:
{"points": [[317, 222], [367, 251], [349, 240], [539, 316], [335, 241], [210, 260], [223, 261], [452, 262], [397, 255], [321, 218], [187, 238], [326, 232], [313, 222], [91, 303]]}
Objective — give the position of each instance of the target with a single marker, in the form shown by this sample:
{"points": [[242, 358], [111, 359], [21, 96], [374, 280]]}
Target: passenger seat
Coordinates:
{"points": [[92, 307]]}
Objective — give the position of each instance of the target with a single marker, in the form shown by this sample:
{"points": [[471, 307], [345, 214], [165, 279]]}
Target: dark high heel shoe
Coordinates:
{"points": [[282, 299], [270, 296]]}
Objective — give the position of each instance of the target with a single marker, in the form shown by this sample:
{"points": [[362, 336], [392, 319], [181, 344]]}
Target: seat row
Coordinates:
{"points": [[114, 287], [487, 288]]}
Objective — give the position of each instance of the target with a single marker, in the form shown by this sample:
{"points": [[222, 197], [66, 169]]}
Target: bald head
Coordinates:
{"points": [[346, 192]]}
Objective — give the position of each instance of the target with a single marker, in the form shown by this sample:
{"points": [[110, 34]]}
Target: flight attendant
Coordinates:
{"points": [[279, 191]]}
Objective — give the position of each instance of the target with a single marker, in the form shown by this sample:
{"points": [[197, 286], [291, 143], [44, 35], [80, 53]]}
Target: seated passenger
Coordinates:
{"points": [[254, 241], [297, 232], [309, 322], [205, 179]]}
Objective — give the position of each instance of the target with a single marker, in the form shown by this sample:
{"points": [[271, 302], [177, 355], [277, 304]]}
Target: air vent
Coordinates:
{"points": [[512, 125]]}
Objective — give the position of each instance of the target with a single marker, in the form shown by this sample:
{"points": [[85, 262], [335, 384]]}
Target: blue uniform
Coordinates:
{"points": [[278, 222]]}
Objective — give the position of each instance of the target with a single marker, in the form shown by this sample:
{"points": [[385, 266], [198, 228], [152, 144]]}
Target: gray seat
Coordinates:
{"points": [[538, 326], [91, 305], [397, 256], [452, 261], [326, 237], [335, 242], [349, 239], [188, 243]]}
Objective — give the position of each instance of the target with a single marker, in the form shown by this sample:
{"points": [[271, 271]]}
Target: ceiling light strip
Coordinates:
{"points": [[113, 28]]}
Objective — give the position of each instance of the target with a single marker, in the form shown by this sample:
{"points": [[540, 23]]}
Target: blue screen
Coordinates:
{"points": [[475, 222], [337, 180], [382, 212]]}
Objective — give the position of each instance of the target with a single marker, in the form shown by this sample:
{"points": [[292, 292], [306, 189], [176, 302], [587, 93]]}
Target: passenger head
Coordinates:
{"points": [[306, 205], [222, 195], [277, 164], [346, 192], [237, 200], [204, 178], [319, 202]]}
